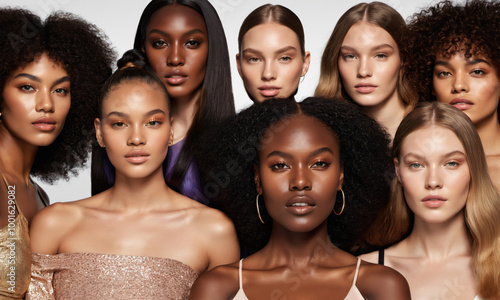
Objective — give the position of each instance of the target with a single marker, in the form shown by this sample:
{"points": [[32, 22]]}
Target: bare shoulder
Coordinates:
{"points": [[371, 257], [381, 282], [218, 283], [213, 221], [52, 223]]}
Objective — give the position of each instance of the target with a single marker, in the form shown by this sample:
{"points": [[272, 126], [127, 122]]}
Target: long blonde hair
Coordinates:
{"points": [[482, 209], [377, 13]]}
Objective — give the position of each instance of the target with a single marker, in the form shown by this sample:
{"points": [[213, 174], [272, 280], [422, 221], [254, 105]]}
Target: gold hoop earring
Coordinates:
{"points": [[343, 204], [258, 210], [171, 140]]}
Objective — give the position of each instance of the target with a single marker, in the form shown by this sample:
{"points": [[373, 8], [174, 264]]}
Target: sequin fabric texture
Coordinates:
{"points": [[107, 276]]}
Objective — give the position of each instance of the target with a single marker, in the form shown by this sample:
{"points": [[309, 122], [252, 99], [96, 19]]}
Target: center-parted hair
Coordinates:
{"points": [[230, 154], [482, 209]]}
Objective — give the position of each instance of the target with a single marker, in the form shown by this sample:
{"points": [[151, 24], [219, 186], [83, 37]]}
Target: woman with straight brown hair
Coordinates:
{"points": [[363, 62], [443, 214]]}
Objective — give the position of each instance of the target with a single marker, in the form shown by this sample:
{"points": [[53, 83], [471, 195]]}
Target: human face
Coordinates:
{"points": [[36, 101], [434, 173], [299, 173], [270, 62], [470, 84], [135, 129], [369, 65], [177, 48]]}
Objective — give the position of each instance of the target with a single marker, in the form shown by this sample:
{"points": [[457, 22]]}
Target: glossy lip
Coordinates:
{"points": [[176, 77], [365, 87], [269, 90], [137, 156], [44, 124], [433, 201], [461, 103], [309, 206]]}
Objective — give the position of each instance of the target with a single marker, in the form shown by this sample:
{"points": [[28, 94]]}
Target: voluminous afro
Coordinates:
{"points": [[447, 29], [230, 154], [82, 49]]}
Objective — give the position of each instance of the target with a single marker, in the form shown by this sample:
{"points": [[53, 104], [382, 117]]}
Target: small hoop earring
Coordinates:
{"points": [[258, 210], [171, 141], [343, 204]]}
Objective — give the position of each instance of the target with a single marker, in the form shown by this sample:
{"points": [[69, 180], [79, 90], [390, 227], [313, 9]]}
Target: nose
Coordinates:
{"points": [[269, 71], [460, 83], [364, 68], [44, 101], [175, 55], [136, 136], [300, 179], [434, 178]]}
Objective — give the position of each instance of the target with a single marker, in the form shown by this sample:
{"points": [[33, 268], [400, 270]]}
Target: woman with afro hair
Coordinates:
{"points": [[300, 181], [50, 75], [455, 59]]}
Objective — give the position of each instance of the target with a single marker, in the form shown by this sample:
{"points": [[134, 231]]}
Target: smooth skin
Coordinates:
{"points": [[177, 49], [473, 85], [300, 165], [436, 257], [270, 62], [140, 215], [369, 66], [36, 101]]}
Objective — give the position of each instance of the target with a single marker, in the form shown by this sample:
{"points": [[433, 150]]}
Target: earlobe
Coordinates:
{"points": [[238, 64], [98, 132], [396, 169], [257, 179], [341, 178], [305, 65]]}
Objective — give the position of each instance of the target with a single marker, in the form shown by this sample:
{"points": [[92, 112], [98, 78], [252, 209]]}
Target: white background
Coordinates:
{"points": [[119, 20]]}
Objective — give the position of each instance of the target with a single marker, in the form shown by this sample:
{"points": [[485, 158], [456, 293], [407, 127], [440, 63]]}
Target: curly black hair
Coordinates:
{"points": [[227, 166], [448, 28], [84, 52]]}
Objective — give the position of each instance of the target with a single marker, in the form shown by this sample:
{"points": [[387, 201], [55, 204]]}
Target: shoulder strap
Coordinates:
{"points": [[240, 274], [357, 271], [7, 186], [381, 255]]}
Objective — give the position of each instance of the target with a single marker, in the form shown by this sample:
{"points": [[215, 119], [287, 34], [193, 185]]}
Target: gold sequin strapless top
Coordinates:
{"points": [[108, 276]]}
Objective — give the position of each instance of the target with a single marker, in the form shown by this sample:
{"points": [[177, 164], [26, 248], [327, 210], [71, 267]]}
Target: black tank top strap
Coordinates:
{"points": [[381, 256]]}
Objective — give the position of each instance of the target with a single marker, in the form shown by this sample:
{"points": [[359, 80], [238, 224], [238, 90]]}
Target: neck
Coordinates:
{"points": [[489, 132], [183, 113], [139, 194], [439, 241], [16, 156], [293, 248], [388, 114]]}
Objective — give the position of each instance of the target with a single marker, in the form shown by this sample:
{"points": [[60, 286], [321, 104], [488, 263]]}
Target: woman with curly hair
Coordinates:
{"points": [[185, 45], [363, 62], [455, 59], [298, 179], [49, 91], [272, 56], [442, 221], [113, 245]]}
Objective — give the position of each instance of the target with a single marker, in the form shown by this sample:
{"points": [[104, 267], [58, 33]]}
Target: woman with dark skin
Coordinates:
{"points": [[455, 59], [139, 239], [297, 185], [49, 89], [185, 46]]}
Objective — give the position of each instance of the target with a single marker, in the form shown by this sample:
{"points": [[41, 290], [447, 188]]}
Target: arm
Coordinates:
{"points": [[220, 283], [378, 282], [40, 287]]}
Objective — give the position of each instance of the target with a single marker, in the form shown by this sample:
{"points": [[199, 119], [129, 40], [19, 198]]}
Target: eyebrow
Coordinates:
{"points": [[281, 50], [289, 156], [420, 157], [470, 62], [376, 48], [35, 78], [185, 34], [124, 115]]}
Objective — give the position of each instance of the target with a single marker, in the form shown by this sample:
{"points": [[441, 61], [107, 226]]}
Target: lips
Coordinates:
{"points": [[137, 156], [434, 201], [45, 124], [269, 91], [461, 103], [365, 87], [176, 77], [300, 205]]}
